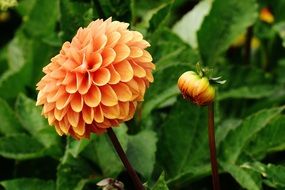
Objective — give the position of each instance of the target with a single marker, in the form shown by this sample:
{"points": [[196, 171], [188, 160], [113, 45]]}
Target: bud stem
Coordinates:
{"points": [[136, 180], [212, 145]]}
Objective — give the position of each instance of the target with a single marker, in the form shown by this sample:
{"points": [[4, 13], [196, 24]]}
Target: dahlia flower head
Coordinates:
{"points": [[96, 80]]}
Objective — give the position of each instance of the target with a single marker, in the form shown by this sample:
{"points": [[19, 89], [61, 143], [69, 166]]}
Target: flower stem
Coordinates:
{"points": [[212, 145], [247, 48], [136, 180]]}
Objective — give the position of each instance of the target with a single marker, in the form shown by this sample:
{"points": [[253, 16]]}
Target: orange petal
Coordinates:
{"points": [[108, 56], [149, 75], [93, 96], [98, 114], [86, 84], [75, 55], [136, 52], [51, 118], [138, 70], [57, 128], [57, 74], [126, 36], [71, 87], [80, 128], [73, 118], [76, 102], [88, 114], [109, 97], [115, 76], [69, 77], [63, 101], [48, 107], [111, 112], [58, 114], [64, 127], [124, 110], [99, 43], [146, 57], [69, 65], [125, 70], [94, 61], [122, 52], [134, 87], [123, 92], [113, 39], [79, 79], [132, 109], [101, 77], [142, 88], [53, 97]]}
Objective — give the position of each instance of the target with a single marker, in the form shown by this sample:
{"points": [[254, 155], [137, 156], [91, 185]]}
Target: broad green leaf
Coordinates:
{"points": [[143, 11], [225, 22], [71, 172], [183, 141], [101, 151], [28, 184], [187, 27], [242, 176], [18, 75], [225, 127], [9, 122], [42, 25], [235, 142], [249, 92], [74, 14], [119, 10], [280, 29], [141, 152], [34, 123], [273, 175], [21, 147], [160, 17], [160, 184], [270, 139], [75, 147]]}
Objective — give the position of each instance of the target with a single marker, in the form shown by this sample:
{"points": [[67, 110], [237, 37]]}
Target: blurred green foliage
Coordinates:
{"points": [[167, 142]]}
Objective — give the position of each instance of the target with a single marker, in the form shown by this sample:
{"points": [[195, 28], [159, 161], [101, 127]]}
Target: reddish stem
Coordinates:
{"points": [[212, 145], [136, 180]]}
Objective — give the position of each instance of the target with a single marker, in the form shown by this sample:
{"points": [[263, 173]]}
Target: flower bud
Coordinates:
{"points": [[196, 88], [266, 16]]}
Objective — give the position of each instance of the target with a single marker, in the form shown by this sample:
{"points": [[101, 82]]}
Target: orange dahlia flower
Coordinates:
{"points": [[96, 80]]}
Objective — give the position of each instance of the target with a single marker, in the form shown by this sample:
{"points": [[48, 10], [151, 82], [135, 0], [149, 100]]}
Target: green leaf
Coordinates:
{"points": [[249, 92], [160, 184], [160, 17], [75, 147], [274, 175], [101, 151], [141, 152], [235, 142], [18, 75], [9, 122], [280, 29], [20, 147], [242, 176], [71, 172], [34, 123], [184, 143], [74, 14], [28, 184], [225, 22], [269, 139], [119, 10], [187, 27], [41, 26]]}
